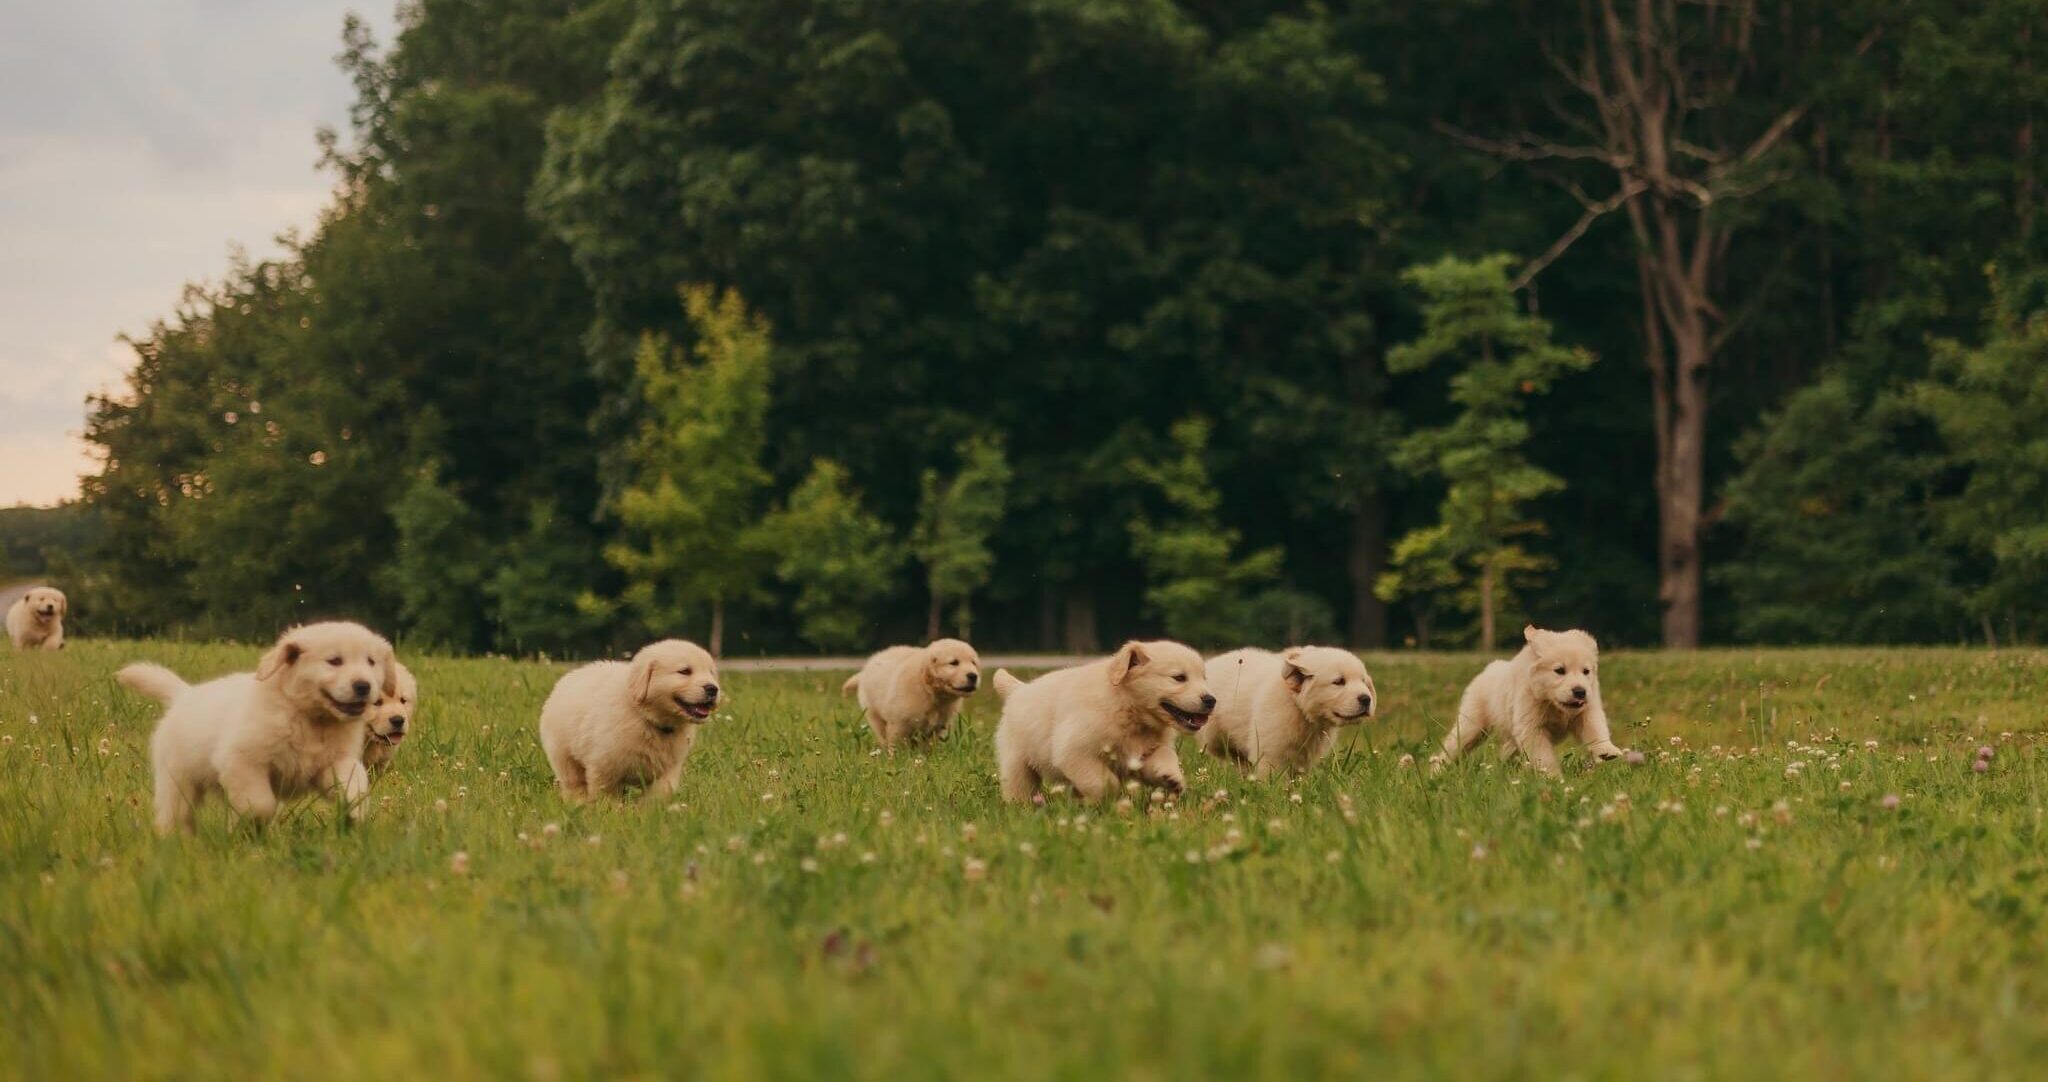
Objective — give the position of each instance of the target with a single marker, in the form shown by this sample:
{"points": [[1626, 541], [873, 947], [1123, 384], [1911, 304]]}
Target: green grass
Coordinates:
{"points": [[803, 909]]}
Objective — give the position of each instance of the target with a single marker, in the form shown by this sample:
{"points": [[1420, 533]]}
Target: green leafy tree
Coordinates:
{"points": [[955, 519], [838, 557], [1990, 404], [541, 577], [693, 466], [1503, 357], [1202, 590], [439, 568], [1832, 523]]}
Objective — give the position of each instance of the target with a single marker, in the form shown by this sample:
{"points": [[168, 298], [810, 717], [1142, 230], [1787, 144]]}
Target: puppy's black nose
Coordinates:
{"points": [[362, 689], [398, 724], [1579, 692], [973, 680], [1208, 702], [710, 692], [1365, 701]]}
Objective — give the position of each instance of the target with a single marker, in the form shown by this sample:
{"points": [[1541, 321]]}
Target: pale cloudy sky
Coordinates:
{"points": [[140, 142]]}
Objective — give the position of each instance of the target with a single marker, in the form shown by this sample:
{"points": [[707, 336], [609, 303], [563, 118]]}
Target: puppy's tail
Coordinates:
{"points": [[852, 685], [1005, 683], [155, 681]]}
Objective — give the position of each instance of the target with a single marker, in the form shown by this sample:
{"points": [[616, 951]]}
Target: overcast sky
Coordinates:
{"points": [[140, 142]]}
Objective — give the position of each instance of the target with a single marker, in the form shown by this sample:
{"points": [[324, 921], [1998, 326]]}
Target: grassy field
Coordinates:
{"points": [[1745, 904]]}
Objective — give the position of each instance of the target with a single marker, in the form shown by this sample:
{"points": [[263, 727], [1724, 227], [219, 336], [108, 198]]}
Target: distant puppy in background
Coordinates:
{"points": [[293, 726], [36, 619], [390, 719], [612, 725], [1547, 692], [1283, 711], [914, 692], [1101, 723]]}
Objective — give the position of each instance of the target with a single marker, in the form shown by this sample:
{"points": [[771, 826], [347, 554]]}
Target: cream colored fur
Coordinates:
{"points": [[294, 726], [1283, 711], [391, 721], [614, 725], [1547, 692], [914, 692], [1103, 722], [36, 619]]}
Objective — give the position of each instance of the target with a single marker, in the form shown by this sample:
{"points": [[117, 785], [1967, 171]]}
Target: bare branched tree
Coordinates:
{"points": [[1651, 95]]}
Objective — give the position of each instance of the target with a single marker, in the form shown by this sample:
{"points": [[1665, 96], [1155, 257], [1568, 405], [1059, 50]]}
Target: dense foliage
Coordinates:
{"points": [[1062, 228]]}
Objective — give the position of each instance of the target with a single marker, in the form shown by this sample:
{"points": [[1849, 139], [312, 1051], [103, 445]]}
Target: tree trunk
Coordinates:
{"points": [[717, 644], [1367, 559], [1081, 637], [932, 617], [1678, 348], [966, 618]]}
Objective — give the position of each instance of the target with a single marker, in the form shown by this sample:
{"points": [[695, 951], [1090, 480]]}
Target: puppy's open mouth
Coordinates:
{"points": [[696, 711], [1573, 704], [1186, 719], [348, 709], [392, 738]]}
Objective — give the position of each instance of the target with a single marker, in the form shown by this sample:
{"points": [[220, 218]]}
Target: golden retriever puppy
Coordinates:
{"points": [[1097, 724], [388, 720], [1547, 692], [293, 726], [1282, 711], [36, 619], [612, 725], [913, 692]]}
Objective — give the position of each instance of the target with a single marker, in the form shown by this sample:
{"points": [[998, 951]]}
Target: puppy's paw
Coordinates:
{"points": [[1173, 784]]}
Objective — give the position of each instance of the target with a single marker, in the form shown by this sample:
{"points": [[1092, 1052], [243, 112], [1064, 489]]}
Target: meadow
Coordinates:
{"points": [[1807, 877]]}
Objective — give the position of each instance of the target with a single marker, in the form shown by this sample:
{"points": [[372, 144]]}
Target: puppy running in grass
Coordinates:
{"points": [[1283, 711], [1547, 692], [1101, 723], [389, 719], [36, 619], [614, 725], [293, 726], [914, 692]]}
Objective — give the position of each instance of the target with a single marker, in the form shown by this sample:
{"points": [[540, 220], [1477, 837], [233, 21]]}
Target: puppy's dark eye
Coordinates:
{"points": [[955, 662], [334, 661], [684, 671], [1337, 683], [1588, 671], [1560, 670], [1180, 678]]}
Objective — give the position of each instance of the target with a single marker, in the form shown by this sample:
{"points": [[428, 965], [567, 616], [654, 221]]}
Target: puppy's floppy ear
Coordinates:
{"points": [[1292, 672], [643, 678], [1129, 656], [1530, 632], [390, 666], [63, 604], [286, 653]]}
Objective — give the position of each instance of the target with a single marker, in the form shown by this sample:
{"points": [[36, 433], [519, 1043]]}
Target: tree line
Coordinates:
{"points": [[819, 323]]}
